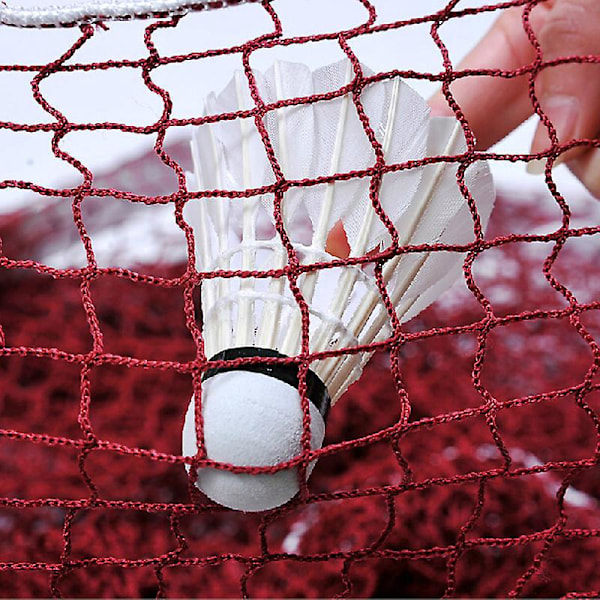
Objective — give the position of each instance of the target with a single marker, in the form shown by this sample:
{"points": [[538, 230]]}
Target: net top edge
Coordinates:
{"points": [[95, 11]]}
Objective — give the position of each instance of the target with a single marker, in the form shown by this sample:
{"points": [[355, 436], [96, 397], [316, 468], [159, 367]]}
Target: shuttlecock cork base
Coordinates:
{"points": [[253, 417]]}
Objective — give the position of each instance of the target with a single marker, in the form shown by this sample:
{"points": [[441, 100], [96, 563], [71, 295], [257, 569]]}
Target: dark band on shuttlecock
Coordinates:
{"points": [[315, 389]]}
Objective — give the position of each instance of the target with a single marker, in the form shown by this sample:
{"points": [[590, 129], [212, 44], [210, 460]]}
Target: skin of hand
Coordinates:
{"points": [[569, 94]]}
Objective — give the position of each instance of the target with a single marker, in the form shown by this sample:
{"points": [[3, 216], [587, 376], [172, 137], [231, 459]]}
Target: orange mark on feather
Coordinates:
{"points": [[337, 241]]}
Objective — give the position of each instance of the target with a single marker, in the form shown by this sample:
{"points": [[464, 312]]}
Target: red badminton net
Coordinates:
{"points": [[489, 485]]}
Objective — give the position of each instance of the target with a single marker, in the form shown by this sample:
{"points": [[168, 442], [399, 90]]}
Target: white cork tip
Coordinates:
{"points": [[250, 419]]}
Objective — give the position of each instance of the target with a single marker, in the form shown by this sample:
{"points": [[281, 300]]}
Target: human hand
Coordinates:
{"points": [[569, 94]]}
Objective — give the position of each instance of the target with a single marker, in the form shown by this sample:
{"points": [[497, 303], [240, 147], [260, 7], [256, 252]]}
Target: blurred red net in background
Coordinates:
{"points": [[491, 487]]}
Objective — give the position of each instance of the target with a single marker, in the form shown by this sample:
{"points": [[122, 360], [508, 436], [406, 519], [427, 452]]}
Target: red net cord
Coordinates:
{"points": [[464, 462]]}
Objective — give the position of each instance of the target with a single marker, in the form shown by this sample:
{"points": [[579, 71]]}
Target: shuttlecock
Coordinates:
{"points": [[252, 415]]}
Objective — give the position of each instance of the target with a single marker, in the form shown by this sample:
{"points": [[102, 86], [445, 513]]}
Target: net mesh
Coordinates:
{"points": [[464, 462]]}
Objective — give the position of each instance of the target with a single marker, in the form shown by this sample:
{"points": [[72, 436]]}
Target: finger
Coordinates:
{"points": [[494, 106], [569, 94]]}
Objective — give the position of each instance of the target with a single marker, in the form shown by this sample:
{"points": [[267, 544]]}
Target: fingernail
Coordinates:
{"points": [[536, 166], [563, 112]]}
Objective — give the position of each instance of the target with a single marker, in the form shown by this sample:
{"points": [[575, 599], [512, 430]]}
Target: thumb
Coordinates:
{"points": [[569, 94]]}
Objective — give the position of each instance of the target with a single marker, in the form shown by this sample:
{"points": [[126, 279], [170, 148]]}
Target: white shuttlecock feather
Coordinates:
{"points": [[255, 418]]}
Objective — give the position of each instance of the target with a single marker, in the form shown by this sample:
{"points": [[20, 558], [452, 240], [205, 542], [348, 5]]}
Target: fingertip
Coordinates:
{"points": [[563, 113], [587, 169], [439, 107], [540, 140]]}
